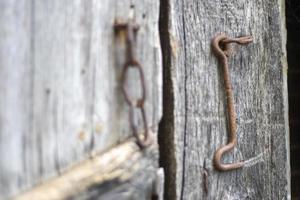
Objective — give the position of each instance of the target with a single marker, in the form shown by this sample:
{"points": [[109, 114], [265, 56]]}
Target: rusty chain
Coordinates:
{"points": [[221, 48], [131, 62]]}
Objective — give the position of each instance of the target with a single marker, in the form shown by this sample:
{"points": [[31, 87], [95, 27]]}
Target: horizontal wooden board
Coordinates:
{"points": [[123, 172]]}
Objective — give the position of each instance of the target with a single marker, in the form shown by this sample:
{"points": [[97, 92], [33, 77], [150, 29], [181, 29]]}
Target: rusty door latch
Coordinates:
{"points": [[221, 48], [130, 29]]}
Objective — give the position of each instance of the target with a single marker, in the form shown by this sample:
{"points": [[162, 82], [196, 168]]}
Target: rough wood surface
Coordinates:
{"points": [[194, 122], [123, 172], [60, 66]]}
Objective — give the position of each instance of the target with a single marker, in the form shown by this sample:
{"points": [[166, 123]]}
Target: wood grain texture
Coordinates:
{"points": [[60, 66], [194, 122], [123, 172]]}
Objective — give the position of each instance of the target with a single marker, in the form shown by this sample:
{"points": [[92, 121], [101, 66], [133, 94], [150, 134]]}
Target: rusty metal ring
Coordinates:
{"points": [[139, 102], [148, 136]]}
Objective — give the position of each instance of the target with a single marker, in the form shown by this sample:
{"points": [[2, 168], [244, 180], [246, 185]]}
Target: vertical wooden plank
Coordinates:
{"points": [[60, 84], [109, 104], [15, 92], [61, 108], [194, 122]]}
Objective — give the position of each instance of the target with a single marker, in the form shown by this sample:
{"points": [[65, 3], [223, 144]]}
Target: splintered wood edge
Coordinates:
{"points": [[120, 163]]}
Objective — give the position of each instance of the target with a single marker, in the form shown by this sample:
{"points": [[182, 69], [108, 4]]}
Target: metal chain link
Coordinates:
{"points": [[131, 62]]}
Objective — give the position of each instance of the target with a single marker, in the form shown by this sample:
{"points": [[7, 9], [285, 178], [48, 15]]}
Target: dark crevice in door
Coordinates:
{"points": [[166, 126], [293, 54]]}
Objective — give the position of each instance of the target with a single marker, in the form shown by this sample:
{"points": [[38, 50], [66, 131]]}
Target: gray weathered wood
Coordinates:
{"points": [[194, 122], [123, 172], [60, 66]]}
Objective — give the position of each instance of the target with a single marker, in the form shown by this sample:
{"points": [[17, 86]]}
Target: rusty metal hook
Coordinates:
{"points": [[221, 48]]}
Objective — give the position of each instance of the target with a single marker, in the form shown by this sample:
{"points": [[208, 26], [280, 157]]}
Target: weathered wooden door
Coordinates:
{"points": [[61, 100], [195, 122], [65, 129]]}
